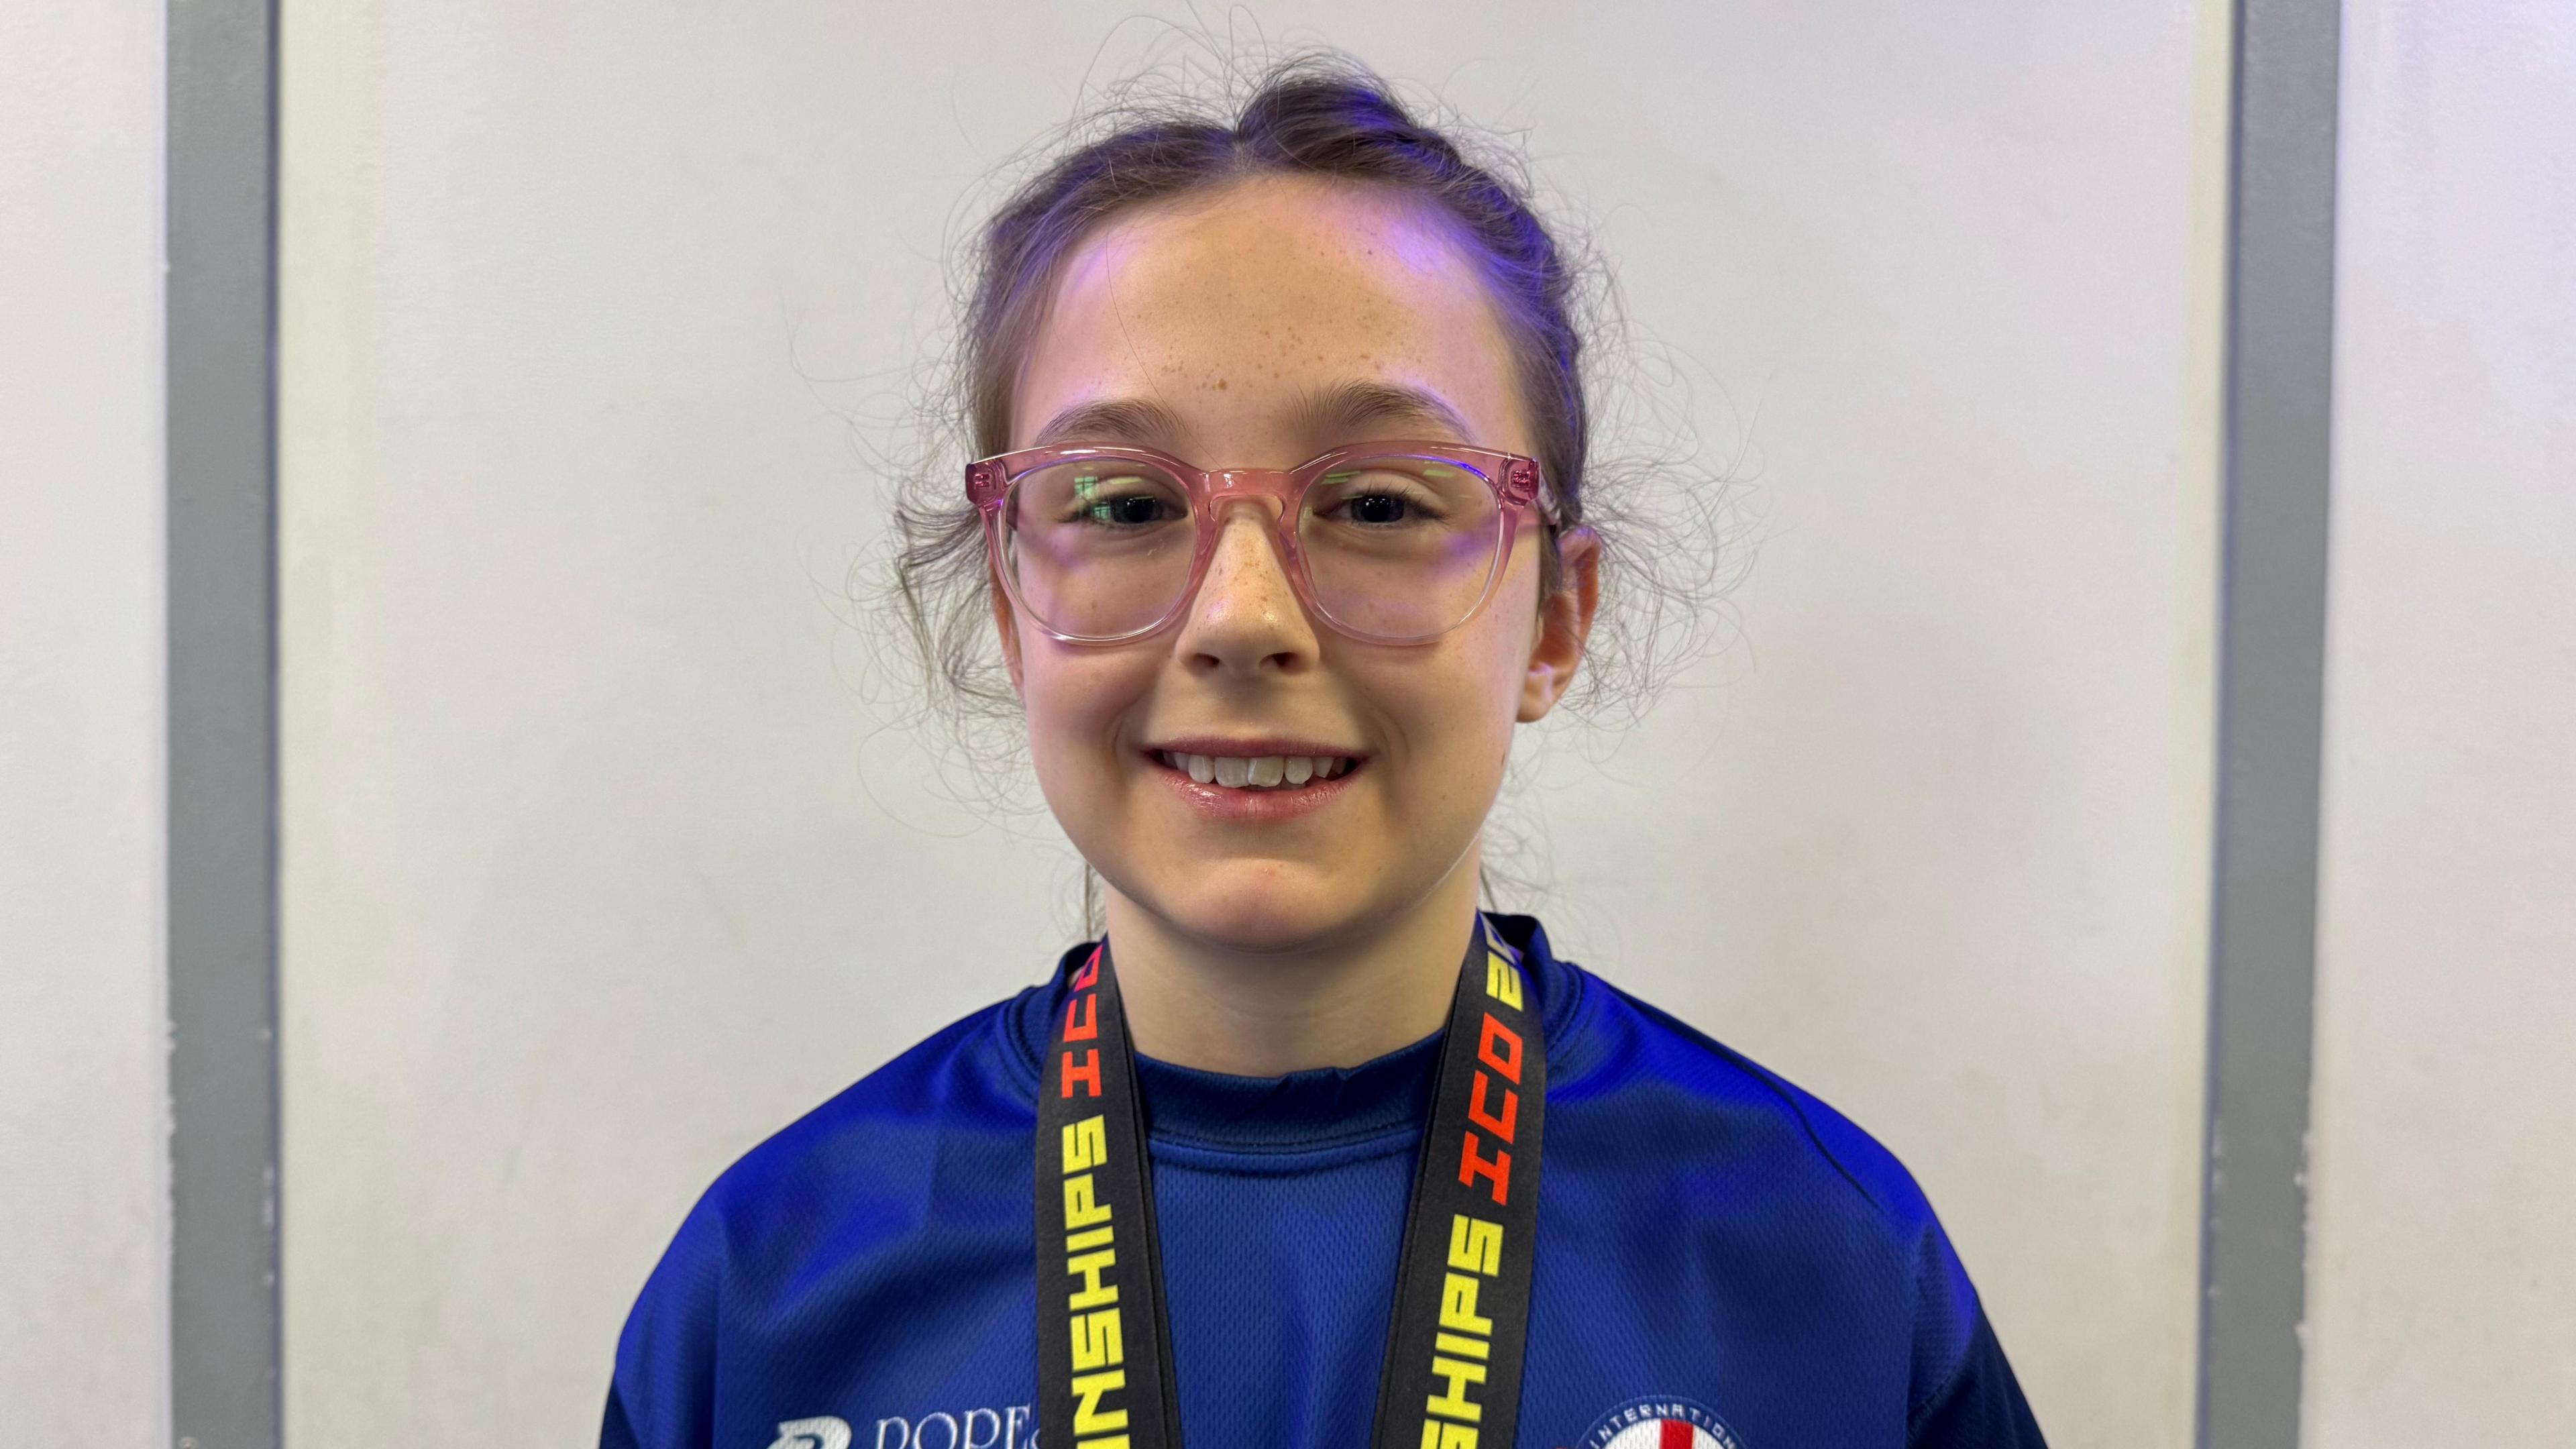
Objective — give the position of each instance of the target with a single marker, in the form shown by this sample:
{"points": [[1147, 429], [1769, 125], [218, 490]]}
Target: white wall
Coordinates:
{"points": [[83, 1307], [595, 872], [2442, 1273]]}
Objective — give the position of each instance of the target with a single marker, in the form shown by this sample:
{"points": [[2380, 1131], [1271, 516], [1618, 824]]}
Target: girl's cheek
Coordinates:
{"points": [[1075, 705]]}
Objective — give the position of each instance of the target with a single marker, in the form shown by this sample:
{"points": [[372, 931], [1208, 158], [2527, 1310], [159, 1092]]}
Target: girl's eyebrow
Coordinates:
{"points": [[1134, 420], [1331, 414]]}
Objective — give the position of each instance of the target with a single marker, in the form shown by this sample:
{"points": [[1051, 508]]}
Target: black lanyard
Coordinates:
{"points": [[1453, 1362]]}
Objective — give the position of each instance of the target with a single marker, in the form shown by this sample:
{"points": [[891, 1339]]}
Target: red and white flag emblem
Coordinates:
{"points": [[1663, 1434], [1660, 1422]]}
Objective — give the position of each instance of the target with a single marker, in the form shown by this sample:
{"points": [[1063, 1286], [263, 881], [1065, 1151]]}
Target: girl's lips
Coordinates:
{"points": [[1249, 748], [1256, 805]]}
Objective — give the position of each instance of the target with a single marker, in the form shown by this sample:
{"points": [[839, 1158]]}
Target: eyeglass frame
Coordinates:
{"points": [[1514, 479]]}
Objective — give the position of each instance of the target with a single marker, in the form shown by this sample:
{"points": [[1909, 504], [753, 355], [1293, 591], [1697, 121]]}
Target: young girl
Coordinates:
{"points": [[1280, 525]]}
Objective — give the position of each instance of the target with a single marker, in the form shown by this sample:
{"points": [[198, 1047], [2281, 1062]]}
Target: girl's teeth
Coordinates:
{"points": [[1259, 772]]}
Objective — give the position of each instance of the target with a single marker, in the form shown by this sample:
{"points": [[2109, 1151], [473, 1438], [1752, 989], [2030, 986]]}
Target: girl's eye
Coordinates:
{"points": [[1376, 508], [1132, 511], [1120, 503], [1384, 498]]}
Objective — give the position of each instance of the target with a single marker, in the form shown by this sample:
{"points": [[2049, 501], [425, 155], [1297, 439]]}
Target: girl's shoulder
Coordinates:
{"points": [[1700, 1102], [936, 1137], [1658, 1094], [1741, 1176], [917, 1173], [961, 1086]]}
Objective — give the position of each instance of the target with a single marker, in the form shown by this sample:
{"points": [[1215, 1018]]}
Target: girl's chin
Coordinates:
{"points": [[1267, 905]]}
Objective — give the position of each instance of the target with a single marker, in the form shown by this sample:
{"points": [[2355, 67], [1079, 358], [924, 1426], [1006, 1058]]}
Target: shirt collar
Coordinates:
{"points": [[1301, 1110]]}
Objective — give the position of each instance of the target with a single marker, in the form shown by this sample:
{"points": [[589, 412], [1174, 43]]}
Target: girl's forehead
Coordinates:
{"points": [[1226, 307]]}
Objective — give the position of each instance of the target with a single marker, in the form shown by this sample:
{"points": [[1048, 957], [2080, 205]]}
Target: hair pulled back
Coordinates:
{"points": [[1316, 114], [1311, 118]]}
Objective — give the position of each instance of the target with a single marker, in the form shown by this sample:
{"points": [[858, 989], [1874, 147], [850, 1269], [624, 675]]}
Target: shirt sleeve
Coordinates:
{"points": [[662, 1394], [1965, 1394], [1981, 1407], [615, 1431]]}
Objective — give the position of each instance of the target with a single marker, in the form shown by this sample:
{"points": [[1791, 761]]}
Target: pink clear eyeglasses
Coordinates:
{"points": [[1389, 542]]}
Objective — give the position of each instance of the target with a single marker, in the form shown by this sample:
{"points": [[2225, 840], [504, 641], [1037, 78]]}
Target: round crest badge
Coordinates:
{"points": [[1660, 1422]]}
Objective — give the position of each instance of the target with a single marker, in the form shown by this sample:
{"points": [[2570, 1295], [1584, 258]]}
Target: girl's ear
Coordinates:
{"points": [[1564, 624], [1005, 622]]}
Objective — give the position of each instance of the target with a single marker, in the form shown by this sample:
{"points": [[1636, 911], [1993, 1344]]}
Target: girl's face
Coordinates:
{"points": [[1230, 330]]}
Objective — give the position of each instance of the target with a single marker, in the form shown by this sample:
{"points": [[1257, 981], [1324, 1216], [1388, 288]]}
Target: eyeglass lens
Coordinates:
{"points": [[1396, 547]]}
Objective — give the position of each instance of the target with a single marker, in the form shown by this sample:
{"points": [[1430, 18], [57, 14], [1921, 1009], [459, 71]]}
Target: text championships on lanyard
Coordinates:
{"points": [[1453, 1364]]}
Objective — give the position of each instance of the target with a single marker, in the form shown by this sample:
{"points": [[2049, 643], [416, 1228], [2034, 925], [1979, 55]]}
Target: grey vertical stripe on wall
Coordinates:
{"points": [[2279, 337], [222, 67]]}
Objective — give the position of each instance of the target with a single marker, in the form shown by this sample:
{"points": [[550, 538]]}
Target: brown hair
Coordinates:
{"points": [[1316, 114]]}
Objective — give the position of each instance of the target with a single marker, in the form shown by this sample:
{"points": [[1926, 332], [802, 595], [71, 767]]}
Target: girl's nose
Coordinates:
{"points": [[1247, 614]]}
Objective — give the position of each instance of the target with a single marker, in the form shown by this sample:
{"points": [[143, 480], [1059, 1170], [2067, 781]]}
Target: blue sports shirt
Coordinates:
{"points": [[1723, 1262]]}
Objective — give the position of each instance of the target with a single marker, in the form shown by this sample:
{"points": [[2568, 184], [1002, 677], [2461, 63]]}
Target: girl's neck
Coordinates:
{"points": [[1268, 1013]]}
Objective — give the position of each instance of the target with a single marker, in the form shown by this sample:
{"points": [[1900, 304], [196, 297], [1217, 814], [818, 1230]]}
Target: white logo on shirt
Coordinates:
{"points": [[823, 1433], [966, 1429], [1660, 1422]]}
